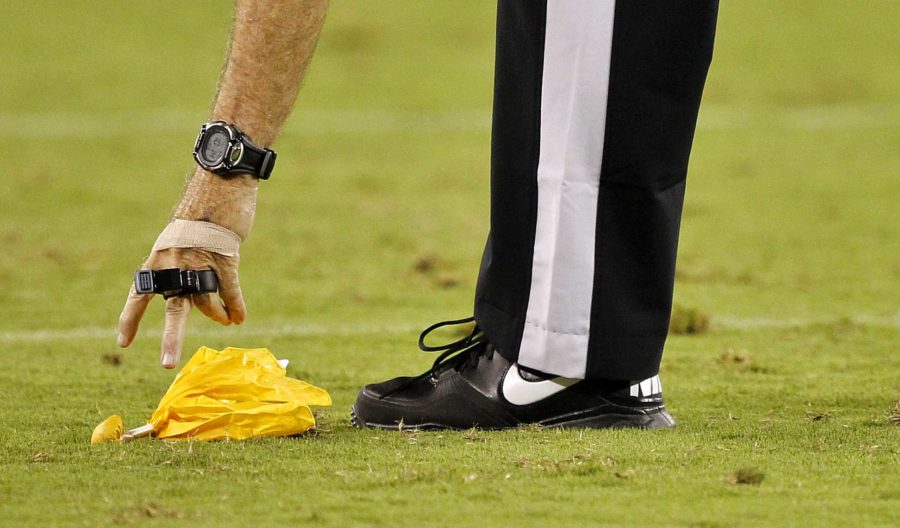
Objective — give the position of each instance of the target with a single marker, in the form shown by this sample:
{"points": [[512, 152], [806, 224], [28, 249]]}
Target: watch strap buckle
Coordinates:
{"points": [[267, 164]]}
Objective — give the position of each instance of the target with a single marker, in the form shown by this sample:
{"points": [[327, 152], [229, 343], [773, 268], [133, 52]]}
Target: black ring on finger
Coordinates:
{"points": [[175, 282]]}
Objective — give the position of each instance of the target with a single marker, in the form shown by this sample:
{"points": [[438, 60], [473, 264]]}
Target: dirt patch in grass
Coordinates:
{"points": [[437, 271], [818, 416], [473, 435], [146, 510], [40, 456], [576, 464], [114, 359], [742, 361], [746, 477], [738, 359], [688, 321], [425, 264]]}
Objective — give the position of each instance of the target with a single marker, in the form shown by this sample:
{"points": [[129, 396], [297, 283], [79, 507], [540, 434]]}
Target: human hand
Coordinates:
{"points": [[225, 307], [228, 204]]}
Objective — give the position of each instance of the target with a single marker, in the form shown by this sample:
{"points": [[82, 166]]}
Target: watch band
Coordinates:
{"points": [[175, 282], [255, 160]]}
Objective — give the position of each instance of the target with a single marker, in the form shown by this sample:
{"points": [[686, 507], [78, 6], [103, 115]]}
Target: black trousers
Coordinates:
{"points": [[595, 105]]}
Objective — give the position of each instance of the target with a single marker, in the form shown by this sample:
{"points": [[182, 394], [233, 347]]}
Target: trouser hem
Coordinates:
{"points": [[611, 357]]}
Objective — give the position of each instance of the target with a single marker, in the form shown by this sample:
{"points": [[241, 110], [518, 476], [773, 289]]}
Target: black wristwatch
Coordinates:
{"points": [[224, 150]]}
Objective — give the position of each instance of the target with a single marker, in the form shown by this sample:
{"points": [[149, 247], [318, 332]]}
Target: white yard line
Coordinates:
{"points": [[756, 323], [162, 121], [80, 126], [287, 330], [315, 330], [809, 118]]}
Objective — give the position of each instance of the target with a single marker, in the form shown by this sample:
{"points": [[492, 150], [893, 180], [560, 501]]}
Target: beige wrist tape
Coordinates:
{"points": [[198, 235]]}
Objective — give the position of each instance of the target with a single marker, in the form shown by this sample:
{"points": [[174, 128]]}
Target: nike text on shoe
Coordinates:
{"points": [[470, 385]]}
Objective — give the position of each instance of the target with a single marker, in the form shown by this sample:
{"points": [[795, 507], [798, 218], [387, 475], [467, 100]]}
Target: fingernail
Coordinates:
{"points": [[121, 340], [168, 360]]}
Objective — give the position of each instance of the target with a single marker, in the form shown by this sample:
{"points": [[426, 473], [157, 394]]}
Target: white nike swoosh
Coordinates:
{"points": [[519, 391]]}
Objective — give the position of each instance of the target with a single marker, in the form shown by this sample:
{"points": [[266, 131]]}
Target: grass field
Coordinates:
{"points": [[787, 405]]}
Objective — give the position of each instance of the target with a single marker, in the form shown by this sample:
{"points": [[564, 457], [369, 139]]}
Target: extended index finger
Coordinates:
{"points": [[131, 315], [177, 311]]}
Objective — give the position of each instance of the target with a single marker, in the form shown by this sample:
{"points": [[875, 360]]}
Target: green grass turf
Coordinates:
{"points": [[790, 246]]}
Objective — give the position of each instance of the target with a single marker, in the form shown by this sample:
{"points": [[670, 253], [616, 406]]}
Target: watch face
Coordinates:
{"points": [[216, 144]]}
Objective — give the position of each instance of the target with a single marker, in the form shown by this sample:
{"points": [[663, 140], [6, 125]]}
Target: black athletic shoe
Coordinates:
{"points": [[470, 385]]}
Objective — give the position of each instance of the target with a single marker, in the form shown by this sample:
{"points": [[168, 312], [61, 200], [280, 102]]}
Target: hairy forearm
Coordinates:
{"points": [[271, 46]]}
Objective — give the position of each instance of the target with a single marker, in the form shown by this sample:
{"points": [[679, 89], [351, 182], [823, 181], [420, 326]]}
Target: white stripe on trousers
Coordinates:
{"points": [[574, 91]]}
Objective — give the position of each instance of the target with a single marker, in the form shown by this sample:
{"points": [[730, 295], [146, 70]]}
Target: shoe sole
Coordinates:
{"points": [[655, 418]]}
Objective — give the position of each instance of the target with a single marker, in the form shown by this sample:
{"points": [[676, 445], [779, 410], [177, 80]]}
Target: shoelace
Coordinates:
{"points": [[459, 354]]}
